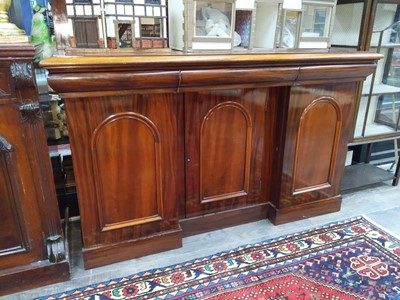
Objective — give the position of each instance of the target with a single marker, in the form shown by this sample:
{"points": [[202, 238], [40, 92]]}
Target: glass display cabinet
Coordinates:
{"points": [[381, 94], [374, 26]]}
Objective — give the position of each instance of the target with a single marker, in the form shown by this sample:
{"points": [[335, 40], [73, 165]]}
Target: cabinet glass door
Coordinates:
{"points": [[378, 113]]}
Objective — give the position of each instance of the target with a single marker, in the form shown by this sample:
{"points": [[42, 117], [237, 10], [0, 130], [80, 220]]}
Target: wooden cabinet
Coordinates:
{"points": [[169, 141], [32, 251]]}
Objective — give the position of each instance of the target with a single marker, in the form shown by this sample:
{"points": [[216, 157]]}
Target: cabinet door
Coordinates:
{"points": [[318, 129], [224, 146], [21, 240], [126, 154]]}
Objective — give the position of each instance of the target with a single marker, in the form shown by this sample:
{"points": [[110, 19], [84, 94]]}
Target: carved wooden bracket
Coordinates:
{"points": [[55, 248], [5, 146], [30, 113], [22, 74]]}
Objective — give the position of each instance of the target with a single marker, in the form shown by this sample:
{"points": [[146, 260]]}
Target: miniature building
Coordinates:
{"points": [[265, 23], [117, 23], [247, 24], [293, 23], [308, 25], [244, 16], [202, 25]]}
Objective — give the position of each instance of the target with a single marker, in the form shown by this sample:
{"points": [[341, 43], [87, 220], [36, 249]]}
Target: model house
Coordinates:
{"points": [[116, 23]]}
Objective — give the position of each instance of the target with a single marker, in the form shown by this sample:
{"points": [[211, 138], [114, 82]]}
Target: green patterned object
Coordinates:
{"points": [[40, 36]]}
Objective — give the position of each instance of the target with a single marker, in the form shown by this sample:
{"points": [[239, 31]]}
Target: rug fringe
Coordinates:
{"points": [[394, 235]]}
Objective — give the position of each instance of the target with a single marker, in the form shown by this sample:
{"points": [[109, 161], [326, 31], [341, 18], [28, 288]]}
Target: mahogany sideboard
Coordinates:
{"points": [[32, 249], [175, 144]]}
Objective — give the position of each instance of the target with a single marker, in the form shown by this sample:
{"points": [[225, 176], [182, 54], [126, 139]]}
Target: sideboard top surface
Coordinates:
{"points": [[139, 71], [161, 59]]}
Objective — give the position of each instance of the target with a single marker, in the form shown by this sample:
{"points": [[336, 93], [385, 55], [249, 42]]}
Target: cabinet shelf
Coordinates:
{"points": [[387, 45], [380, 89], [360, 175]]}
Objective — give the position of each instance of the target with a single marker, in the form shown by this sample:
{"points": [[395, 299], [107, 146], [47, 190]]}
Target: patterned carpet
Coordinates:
{"points": [[351, 259]]}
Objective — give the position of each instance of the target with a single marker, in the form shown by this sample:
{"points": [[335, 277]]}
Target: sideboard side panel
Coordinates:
{"points": [[275, 132]]}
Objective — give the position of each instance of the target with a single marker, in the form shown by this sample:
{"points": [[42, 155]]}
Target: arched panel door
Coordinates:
{"points": [[225, 140], [316, 146], [139, 193], [224, 133]]}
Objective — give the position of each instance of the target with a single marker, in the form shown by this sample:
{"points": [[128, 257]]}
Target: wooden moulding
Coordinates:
{"points": [[111, 253], [294, 213], [32, 276], [177, 72], [110, 83], [206, 223]]}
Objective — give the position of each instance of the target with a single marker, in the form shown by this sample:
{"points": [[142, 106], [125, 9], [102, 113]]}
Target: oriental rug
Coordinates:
{"points": [[350, 259]]}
